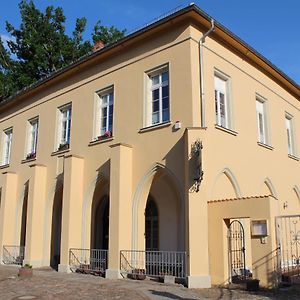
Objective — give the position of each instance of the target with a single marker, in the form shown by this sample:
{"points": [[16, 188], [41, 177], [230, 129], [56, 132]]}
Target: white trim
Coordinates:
{"points": [[58, 136], [222, 86], [98, 106], [290, 130], [148, 101], [139, 189], [271, 187], [6, 146], [233, 180]]}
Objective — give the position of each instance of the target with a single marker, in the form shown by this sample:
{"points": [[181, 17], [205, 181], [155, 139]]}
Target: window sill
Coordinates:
{"points": [[265, 146], [26, 160], [156, 126], [58, 152], [226, 130], [293, 157], [96, 142], [4, 166]]}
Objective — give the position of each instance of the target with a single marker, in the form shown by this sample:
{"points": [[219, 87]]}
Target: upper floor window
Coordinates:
{"points": [[7, 141], [290, 134], [262, 129], [32, 138], [64, 127], [104, 113], [222, 101], [158, 104]]}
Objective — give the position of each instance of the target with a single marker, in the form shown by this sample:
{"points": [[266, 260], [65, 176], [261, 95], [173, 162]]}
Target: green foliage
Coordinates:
{"points": [[106, 34], [41, 46]]}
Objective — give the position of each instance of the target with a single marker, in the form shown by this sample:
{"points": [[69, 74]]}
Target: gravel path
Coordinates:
{"points": [[48, 284]]}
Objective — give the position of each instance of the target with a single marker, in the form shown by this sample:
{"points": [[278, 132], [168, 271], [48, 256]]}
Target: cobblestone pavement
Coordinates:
{"points": [[48, 284]]}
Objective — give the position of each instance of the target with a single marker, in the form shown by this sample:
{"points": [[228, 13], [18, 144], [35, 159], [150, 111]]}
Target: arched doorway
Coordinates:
{"points": [[151, 225], [24, 217], [100, 222], [56, 228]]}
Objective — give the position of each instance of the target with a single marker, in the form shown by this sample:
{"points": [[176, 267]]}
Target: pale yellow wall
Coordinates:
{"points": [[250, 163], [234, 164]]}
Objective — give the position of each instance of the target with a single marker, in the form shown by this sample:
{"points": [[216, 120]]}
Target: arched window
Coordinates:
{"points": [[151, 226]]}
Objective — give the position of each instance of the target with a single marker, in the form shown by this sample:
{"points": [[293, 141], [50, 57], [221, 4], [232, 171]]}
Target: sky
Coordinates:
{"points": [[269, 26]]}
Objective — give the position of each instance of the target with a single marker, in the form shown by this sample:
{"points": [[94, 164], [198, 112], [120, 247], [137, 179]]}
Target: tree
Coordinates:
{"points": [[105, 34], [41, 46]]}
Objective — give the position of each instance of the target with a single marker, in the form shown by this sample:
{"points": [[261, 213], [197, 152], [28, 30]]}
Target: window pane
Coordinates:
{"points": [[155, 80], [165, 76], [166, 115], [155, 106], [165, 103], [155, 94], [155, 118], [165, 91], [103, 122], [104, 99], [110, 120]]}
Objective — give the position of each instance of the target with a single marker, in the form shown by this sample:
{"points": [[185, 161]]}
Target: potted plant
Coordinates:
{"points": [[252, 284], [26, 271], [107, 134], [31, 155], [63, 147]]}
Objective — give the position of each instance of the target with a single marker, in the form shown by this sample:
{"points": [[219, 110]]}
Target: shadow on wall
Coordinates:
{"points": [[270, 264], [56, 223]]}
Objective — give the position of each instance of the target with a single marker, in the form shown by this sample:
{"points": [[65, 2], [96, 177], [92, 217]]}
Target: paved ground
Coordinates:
{"points": [[46, 284]]}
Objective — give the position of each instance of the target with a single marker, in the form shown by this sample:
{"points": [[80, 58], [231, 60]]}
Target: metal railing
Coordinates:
{"points": [[288, 239], [88, 261], [13, 255], [134, 263]]}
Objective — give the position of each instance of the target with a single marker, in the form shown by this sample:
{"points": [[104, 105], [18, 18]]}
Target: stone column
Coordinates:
{"points": [[71, 208], [120, 209], [8, 210], [196, 219], [36, 215]]}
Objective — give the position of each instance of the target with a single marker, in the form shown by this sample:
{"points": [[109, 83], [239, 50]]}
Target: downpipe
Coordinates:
{"points": [[201, 71]]}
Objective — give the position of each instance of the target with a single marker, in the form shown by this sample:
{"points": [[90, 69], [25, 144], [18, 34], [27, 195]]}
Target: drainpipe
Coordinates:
{"points": [[202, 99]]}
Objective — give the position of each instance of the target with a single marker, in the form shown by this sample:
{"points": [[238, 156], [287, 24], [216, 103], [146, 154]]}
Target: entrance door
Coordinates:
{"points": [[151, 226], [236, 248]]}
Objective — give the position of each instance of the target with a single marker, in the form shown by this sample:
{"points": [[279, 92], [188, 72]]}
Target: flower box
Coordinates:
{"points": [[63, 147], [26, 271], [106, 135], [31, 155]]}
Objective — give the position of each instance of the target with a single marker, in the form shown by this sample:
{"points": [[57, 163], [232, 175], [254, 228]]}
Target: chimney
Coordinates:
{"points": [[98, 45]]}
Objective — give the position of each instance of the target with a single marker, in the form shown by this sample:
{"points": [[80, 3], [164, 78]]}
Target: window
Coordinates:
{"points": [[151, 225], [32, 138], [261, 121], [222, 100], [6, 153], [158, 106], [64, 128], [290, 134], [104, 113]]}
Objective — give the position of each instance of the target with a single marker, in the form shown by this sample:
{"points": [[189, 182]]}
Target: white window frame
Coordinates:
{"points": [[106, 131], [148, 112], [262, 120], [222, 87], [289, 125], [32, 137], [61, 120], [7, 144]]}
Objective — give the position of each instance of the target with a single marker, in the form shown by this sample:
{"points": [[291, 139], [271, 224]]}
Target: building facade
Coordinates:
{"points": [[140, 147]]}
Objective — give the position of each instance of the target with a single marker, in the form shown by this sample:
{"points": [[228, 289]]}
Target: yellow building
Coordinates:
{"points": [[155, 143]]}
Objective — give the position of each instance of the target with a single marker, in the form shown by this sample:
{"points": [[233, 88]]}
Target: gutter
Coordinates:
{"points": [[201, 71]]}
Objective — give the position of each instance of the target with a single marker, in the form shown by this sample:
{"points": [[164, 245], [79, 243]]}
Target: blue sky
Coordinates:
{"points": [[271, 27]]}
